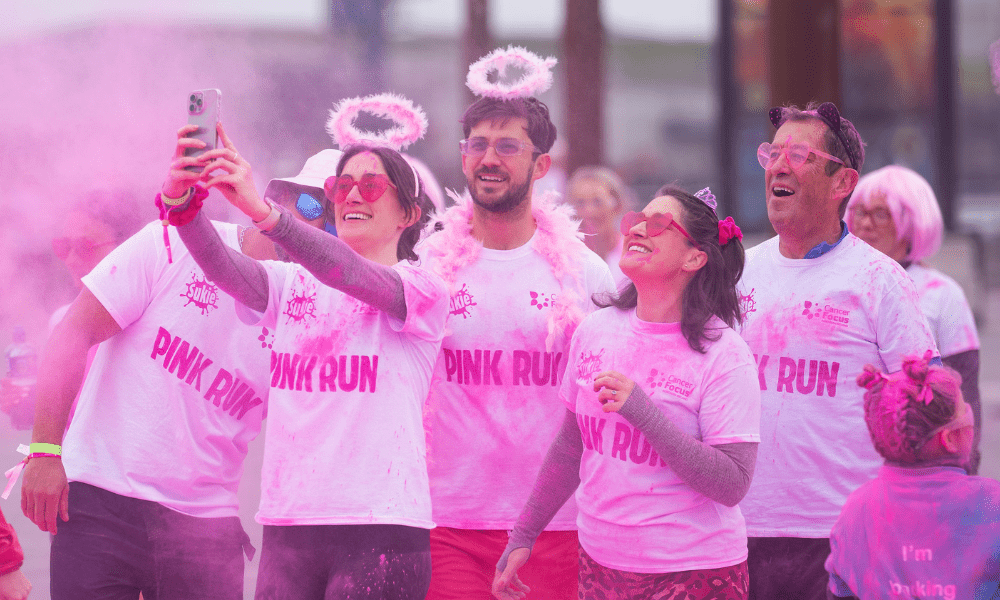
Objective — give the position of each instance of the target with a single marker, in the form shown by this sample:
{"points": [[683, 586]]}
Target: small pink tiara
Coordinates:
{"points": [[706, 196], [410, 120], [537, 79]]}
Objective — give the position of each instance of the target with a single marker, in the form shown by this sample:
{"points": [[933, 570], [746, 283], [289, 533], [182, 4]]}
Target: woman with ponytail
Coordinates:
{"points": [[662, 424], [924, 527]]}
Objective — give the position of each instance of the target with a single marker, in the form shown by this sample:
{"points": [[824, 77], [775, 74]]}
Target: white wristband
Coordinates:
{"points": [[268, 222]]}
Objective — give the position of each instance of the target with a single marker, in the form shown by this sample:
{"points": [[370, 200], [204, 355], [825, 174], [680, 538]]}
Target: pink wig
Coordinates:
{"points": [[911, 202]]}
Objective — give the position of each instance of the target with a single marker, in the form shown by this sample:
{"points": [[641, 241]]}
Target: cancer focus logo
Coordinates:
{"points": [[461, 301], [300, 306], [202, 293], [811, 310], [540, 300], [266, 338], [826, 313], [589, 364]]}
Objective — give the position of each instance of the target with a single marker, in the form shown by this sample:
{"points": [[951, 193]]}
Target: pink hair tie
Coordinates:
{"points": [[728, 229]]}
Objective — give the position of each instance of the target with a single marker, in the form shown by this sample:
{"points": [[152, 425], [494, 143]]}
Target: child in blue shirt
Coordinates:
{"points": [[923, 528]]}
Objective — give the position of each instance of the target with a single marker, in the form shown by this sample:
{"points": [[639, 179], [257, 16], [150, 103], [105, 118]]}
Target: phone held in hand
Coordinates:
{"points": [[203, 108]]}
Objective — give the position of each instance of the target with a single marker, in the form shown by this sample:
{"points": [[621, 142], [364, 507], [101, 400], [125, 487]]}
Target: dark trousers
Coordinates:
{"points": [[113, 547], [340, 562], [783, 568]]}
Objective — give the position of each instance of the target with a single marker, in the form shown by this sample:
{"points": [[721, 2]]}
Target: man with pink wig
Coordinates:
{"points": [[818, 305]]}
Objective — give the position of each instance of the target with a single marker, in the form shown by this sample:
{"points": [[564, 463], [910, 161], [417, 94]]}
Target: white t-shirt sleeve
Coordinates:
{"points": [[123, 282], [426, 298], [901, 328], [730, 405]]}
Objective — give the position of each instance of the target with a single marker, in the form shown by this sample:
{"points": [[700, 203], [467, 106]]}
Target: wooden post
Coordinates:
{"points": [[804, 50], [583, 50], [476, 41]]}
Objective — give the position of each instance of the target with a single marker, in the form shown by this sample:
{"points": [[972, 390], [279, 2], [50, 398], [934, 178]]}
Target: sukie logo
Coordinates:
{"points": [[589, 364], [202, 293], [826, 313], [461, 302], [747, 303], [266, 338], [540, 300], [669, 383], [300, 307]]}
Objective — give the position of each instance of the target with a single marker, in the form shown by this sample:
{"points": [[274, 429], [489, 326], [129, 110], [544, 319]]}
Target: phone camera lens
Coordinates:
{"points": [[193, 97], [199, 101], [192, 108]]}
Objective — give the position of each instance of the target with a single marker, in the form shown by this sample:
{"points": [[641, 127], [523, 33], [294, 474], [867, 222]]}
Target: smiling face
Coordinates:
{"points": [[804, 200], [497, 183], [370, 228], [666, 257]]}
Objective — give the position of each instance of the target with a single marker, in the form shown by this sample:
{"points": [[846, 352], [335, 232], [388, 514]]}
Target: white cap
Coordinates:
{"points": [[315, 172]]}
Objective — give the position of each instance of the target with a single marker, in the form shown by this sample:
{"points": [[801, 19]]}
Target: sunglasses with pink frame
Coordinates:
{"points": [[795, 154], [656, 224]]}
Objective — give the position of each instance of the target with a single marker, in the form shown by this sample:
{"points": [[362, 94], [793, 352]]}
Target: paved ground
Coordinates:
{"points": [[954, 259]]}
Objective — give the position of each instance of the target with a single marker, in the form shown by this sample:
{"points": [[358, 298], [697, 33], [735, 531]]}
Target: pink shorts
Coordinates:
{"points": [[464, 561]]}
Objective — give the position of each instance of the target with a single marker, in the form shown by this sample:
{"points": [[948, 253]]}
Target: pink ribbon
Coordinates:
{"points": [[14, 472]]}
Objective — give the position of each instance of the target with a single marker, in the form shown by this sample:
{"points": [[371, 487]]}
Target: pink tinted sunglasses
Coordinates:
{"points": [[656, 224], [371, 186], [795, 154]]}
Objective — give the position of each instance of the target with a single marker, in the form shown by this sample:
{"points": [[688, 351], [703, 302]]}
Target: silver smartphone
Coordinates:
{"points": [[203, 107]]}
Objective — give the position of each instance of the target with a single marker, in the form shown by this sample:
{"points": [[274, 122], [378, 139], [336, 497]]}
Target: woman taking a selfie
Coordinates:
{"points": [[345, 499], [662, 422]]}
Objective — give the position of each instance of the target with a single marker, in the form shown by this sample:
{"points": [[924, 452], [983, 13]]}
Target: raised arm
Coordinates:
{"points": [[238, 275], [722, 472], [332, 261], [335, 264], [45, 491]]}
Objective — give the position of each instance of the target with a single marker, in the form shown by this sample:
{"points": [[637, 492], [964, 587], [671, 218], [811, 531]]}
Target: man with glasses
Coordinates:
{"points": [[141, 495], [521, 279], [818, 305]]}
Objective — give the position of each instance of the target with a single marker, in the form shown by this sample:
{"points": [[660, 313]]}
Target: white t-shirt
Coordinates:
{"points": [[946, 309], [345, 438], [812, 325], [494, 407], [636, 514], [170, 403]]}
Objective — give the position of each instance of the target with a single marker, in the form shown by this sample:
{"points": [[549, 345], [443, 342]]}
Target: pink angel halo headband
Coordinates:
{"points": [[410, 120], [410, 124], [536, 80]]}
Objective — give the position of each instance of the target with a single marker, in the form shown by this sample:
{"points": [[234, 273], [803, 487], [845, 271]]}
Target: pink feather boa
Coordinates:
{"points": [[558, 239]]}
